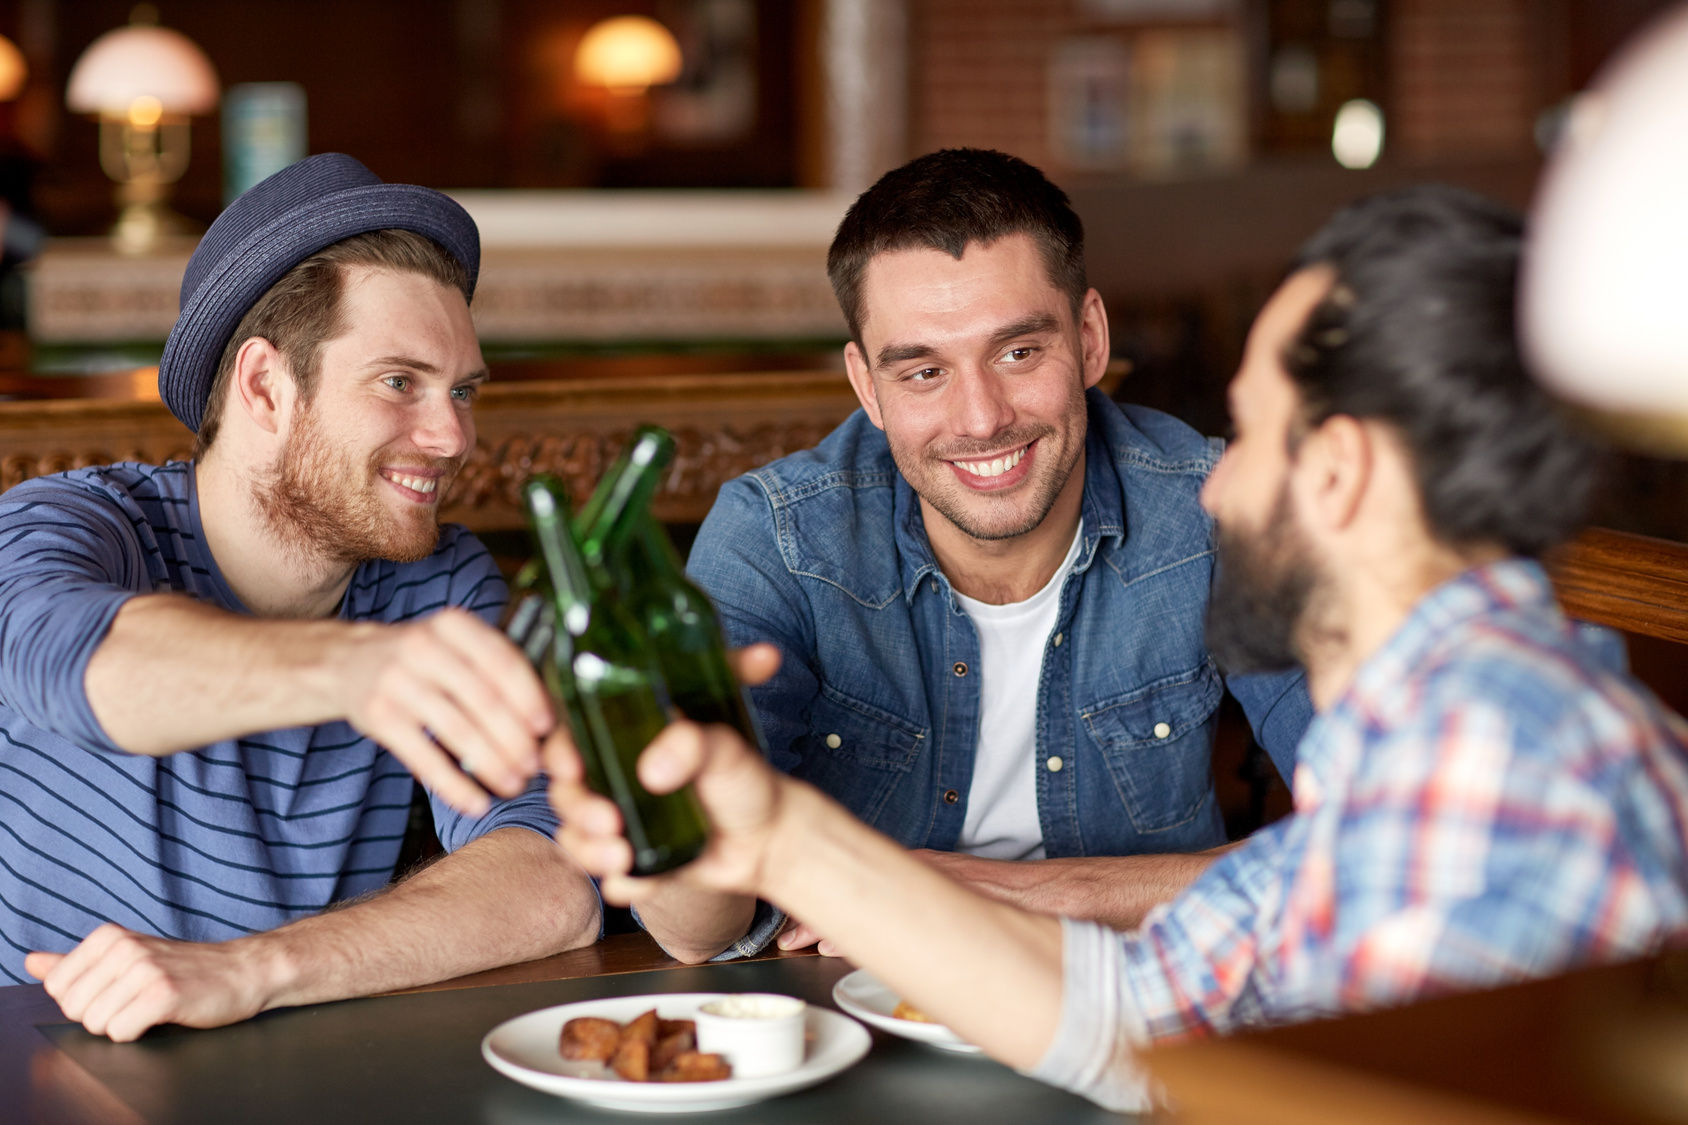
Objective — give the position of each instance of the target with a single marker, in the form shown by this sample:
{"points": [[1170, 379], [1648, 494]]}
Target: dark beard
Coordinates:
{"points": [[1264, 583], [318, 503]]}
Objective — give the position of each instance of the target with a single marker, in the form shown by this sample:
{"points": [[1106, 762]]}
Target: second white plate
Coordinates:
{"points": [[864, 997]]}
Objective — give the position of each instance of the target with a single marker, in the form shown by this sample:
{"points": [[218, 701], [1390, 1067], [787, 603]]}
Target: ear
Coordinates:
{"points": [[1334, 468], [1093, 338], [260, 386], [861, 378]]}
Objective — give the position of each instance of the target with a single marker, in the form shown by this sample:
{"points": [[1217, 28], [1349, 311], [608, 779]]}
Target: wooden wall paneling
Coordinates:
{"points": [[724, 425], [1628, 582]]}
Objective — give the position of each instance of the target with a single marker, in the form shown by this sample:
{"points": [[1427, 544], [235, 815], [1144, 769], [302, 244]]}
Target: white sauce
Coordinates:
{"points": [[754, 1007]]}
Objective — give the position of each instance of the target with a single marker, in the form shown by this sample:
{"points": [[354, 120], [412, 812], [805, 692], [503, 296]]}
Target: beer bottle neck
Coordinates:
{"points": [[620, 503], [548, 515]]}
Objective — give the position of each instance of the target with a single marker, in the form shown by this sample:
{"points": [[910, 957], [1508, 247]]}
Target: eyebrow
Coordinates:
{"points": [[410, 363], [1035, 325]]}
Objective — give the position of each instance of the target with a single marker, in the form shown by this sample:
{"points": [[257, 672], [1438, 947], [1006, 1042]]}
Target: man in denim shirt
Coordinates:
{"points": [[988, 586]]}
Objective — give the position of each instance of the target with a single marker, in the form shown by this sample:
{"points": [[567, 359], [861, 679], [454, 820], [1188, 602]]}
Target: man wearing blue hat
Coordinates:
{"points": [[214, 675]]}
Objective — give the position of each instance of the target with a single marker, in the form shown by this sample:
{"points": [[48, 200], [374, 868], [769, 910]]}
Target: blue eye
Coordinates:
{"points": [[466, 393]]}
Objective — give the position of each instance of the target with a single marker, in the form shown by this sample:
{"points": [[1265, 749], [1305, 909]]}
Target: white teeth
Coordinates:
{"points": [[417, 484], [994, 468]]}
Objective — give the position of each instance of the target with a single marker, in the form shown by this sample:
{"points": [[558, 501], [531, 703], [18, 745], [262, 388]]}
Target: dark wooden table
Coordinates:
{"points": [[415, 1058]]}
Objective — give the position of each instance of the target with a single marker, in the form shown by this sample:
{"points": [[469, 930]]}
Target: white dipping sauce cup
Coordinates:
{"points": [[760, 1033]]}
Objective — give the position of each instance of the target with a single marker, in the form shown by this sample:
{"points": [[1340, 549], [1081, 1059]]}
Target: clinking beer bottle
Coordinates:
{"points": [[623, 543], [614, 697]]}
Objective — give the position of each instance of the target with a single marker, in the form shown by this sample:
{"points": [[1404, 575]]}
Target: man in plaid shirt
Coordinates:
{"points": [[1480, 799]]}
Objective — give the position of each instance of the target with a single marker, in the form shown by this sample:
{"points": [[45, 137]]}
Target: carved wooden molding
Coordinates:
{"points": [[724, 425]]}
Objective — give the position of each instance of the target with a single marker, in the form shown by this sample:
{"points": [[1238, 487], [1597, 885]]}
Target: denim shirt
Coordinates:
{"points": [[824, 553]]}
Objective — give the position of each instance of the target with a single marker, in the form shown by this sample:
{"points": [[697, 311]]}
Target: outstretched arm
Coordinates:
{"points": [[509, 896], [445, 689], [1117, 891]]}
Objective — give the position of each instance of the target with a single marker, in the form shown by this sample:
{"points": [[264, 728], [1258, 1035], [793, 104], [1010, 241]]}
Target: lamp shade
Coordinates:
{"points": [[627, 53], [142, 62], [1605, 288]]}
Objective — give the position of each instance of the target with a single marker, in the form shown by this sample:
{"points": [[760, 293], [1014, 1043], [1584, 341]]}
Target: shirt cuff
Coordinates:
{"points": [[1094, 1049]]}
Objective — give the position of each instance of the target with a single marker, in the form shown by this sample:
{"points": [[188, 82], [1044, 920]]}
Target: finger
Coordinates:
{"points": [[38, 965], [502, 665], [799, 936], [466, 716], [480, 698], [827, 949], [562, 757], [429, 764], [586, 812], [159, 1001], [88, 954], [78, 997], [673, 758], [605, 857], [140, 975], [624, 890], [755, 664]]}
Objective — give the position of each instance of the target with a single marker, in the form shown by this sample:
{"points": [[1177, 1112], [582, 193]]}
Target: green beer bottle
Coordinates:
{"points": [[623, 543], [614, 697]]}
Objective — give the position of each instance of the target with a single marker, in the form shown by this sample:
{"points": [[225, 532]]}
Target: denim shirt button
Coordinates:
{"points": [[1054, 763], [1058, 637], [951, 796], [1162, 730], [833, 742], [961, 667]]}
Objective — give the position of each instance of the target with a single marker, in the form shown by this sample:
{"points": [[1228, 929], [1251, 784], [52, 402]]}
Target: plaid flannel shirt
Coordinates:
{"points": [[1486, 803]]}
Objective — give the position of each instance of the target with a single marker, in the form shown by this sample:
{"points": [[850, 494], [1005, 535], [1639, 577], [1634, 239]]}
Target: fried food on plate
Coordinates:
{"points": [[647, 1049], [590, 1038], [906, 1011]]}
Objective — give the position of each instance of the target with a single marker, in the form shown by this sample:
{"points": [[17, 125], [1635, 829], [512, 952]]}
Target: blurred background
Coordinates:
{"points": [[1201, 141]]}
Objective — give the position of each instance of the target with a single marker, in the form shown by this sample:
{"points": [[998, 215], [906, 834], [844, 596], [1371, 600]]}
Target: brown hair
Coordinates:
{"points": [[947, 199], [301, 312]]}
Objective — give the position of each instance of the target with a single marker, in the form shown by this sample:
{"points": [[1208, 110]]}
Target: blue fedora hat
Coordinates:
{"points": [[270, 229]]}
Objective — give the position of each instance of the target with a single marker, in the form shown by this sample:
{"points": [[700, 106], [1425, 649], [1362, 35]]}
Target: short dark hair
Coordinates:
{"points": [[301, 312], [947, 199], [1419, 331]]}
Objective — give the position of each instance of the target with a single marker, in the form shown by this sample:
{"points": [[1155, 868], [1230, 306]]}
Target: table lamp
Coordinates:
{"points": [[13, 70], [626, 56], [1604, 298], [143, 82]]}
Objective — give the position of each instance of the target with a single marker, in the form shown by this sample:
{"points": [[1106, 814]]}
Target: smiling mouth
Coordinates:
{"points": [[995, 466], [426, 485]]}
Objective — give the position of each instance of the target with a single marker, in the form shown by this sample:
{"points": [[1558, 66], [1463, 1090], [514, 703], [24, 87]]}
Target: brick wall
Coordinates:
{"points": [[1467, 77], [978, 73]]}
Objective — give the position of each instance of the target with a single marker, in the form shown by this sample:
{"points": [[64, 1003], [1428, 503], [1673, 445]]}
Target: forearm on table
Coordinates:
{"points": [[1117, 891], [508, 897], [692, 924], [173, 674], [989, 971]]}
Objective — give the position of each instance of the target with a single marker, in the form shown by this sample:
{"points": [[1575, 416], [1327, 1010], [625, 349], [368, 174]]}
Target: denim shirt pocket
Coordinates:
{"points": [[856, 752], [1156, 745]]}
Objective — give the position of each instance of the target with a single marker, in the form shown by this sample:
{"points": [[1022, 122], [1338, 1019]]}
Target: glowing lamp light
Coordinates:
{"points": [[1604, 298], [627, 55], [1357, 138], [142, 62], [143, 82], [13, 70]]}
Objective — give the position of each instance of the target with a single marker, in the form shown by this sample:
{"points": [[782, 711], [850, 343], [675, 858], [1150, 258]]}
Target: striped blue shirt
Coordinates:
{"points": [[237, 837]]}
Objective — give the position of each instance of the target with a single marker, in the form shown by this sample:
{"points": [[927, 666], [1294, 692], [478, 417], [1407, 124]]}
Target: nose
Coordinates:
{"points": [[982, 409], [443, 427]]}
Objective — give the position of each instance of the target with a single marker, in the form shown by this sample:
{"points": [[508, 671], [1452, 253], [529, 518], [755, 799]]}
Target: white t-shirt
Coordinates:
{"points": [[1002, 820]]}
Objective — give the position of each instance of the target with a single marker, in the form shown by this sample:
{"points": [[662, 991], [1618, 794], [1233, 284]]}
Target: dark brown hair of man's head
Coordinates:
{"points": [[303, 311], [945, 200], [1419, 330]]}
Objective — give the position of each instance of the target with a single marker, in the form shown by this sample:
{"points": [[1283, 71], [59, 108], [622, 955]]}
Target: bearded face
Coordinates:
{"points": [[1259, 609], [328, 501]]}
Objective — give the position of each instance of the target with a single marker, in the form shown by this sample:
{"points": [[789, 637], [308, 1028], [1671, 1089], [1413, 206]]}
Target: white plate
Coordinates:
{"points": [[864, 997], [526, 1049]]}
